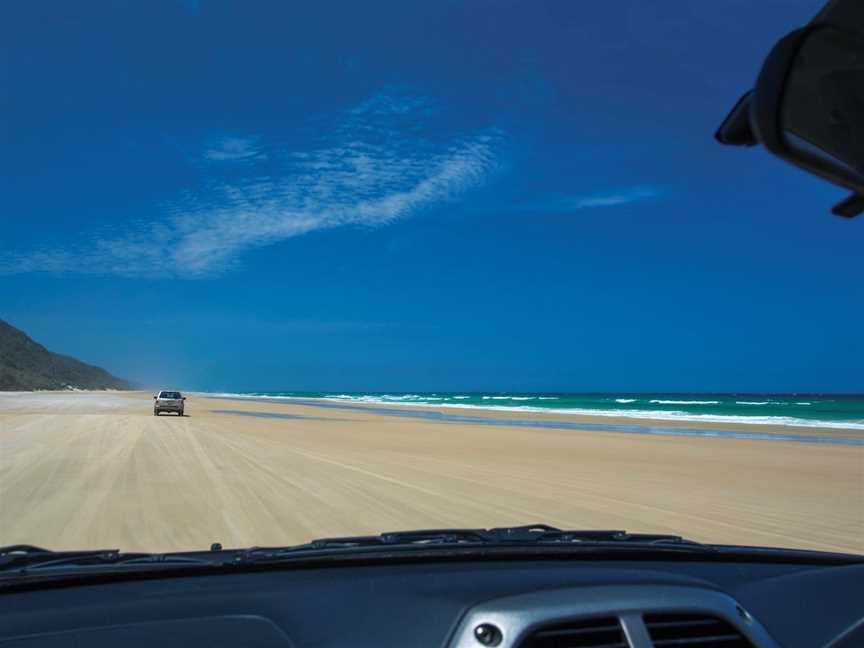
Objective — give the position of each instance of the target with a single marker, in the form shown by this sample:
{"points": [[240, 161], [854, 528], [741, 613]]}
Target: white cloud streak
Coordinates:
{"points": [[620, 197], [233, 148], [372, 167], [613, 198]]}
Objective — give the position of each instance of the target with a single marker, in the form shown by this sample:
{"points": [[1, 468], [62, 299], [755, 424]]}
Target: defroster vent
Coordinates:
{"points": [[602, 632], [693, 631]]}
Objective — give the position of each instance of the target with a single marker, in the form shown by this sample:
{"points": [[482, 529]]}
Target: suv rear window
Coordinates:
{"points": [[169, 394]]}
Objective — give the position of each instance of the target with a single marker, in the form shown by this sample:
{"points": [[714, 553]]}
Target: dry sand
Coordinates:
{"points": [[80, 470]]}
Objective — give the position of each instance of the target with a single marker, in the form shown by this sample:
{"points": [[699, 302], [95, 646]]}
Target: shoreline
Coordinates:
{"points": [[611, 419], [645, 418]]}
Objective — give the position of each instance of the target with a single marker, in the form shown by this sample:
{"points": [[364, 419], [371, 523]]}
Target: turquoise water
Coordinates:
{"points": [[474, 418], [827, 410]]}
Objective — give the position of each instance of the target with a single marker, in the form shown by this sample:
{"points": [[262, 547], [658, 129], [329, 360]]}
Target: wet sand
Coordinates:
{"points": [[81, 470]]}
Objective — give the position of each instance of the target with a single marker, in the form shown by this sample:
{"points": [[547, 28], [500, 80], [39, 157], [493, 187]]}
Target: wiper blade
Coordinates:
{"points": [[528, 535], [22, 549], [23, 559], [543, 533], [23, 554]]}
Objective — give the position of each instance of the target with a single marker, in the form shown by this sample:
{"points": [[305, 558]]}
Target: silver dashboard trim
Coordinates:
{"points": [[517, 616]]}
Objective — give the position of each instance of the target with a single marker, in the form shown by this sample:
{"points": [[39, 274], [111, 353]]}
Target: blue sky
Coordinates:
{"points": [[404, 196]]}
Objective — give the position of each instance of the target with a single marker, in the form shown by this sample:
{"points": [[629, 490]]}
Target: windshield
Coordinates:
{"points": [[414, 266]]}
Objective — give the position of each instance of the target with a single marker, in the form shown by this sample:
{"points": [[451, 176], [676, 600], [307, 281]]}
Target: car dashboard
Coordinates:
{"points": [[529, 604]]}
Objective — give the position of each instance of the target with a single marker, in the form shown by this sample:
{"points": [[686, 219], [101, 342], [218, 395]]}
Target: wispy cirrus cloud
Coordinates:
{"points": [[371, 166], [233, 148], [592, 200]]}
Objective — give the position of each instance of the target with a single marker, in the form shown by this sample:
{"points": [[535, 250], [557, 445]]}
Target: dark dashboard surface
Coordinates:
{"points": [[405, 604]]}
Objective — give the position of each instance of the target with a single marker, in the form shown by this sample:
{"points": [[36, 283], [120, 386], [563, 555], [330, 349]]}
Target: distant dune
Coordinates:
{"points": [[27, 365]]}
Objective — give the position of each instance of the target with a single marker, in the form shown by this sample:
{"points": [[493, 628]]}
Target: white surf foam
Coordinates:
{"points": [[663, 415], [684, 402]]}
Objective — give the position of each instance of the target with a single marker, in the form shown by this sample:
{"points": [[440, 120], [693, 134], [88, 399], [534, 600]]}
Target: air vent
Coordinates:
{"points": [[693, 631], [603, 632]]}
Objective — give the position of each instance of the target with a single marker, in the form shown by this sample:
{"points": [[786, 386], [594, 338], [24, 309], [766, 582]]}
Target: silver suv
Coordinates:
{"points": [[168, 401]]}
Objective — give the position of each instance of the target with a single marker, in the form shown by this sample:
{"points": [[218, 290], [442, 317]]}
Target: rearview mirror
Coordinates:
{"points": [[808, 108]]}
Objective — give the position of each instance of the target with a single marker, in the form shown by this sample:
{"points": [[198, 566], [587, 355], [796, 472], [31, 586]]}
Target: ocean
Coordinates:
{"points": [[812, 410]]}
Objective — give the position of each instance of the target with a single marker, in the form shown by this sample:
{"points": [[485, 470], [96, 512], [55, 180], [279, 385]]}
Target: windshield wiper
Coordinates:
{"points": [[24, 559], [528, 534], [532, 535], [19, 562], [28, 558]]}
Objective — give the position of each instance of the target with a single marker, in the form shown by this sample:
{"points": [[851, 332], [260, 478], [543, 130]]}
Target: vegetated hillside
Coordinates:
{"points": [[26, 365]]}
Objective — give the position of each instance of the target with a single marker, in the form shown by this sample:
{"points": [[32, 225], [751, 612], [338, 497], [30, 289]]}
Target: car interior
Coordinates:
{"points": [[525, 587]]}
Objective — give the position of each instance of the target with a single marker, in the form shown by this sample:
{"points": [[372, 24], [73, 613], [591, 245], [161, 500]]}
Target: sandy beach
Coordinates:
{"points": [[84, 470]]}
